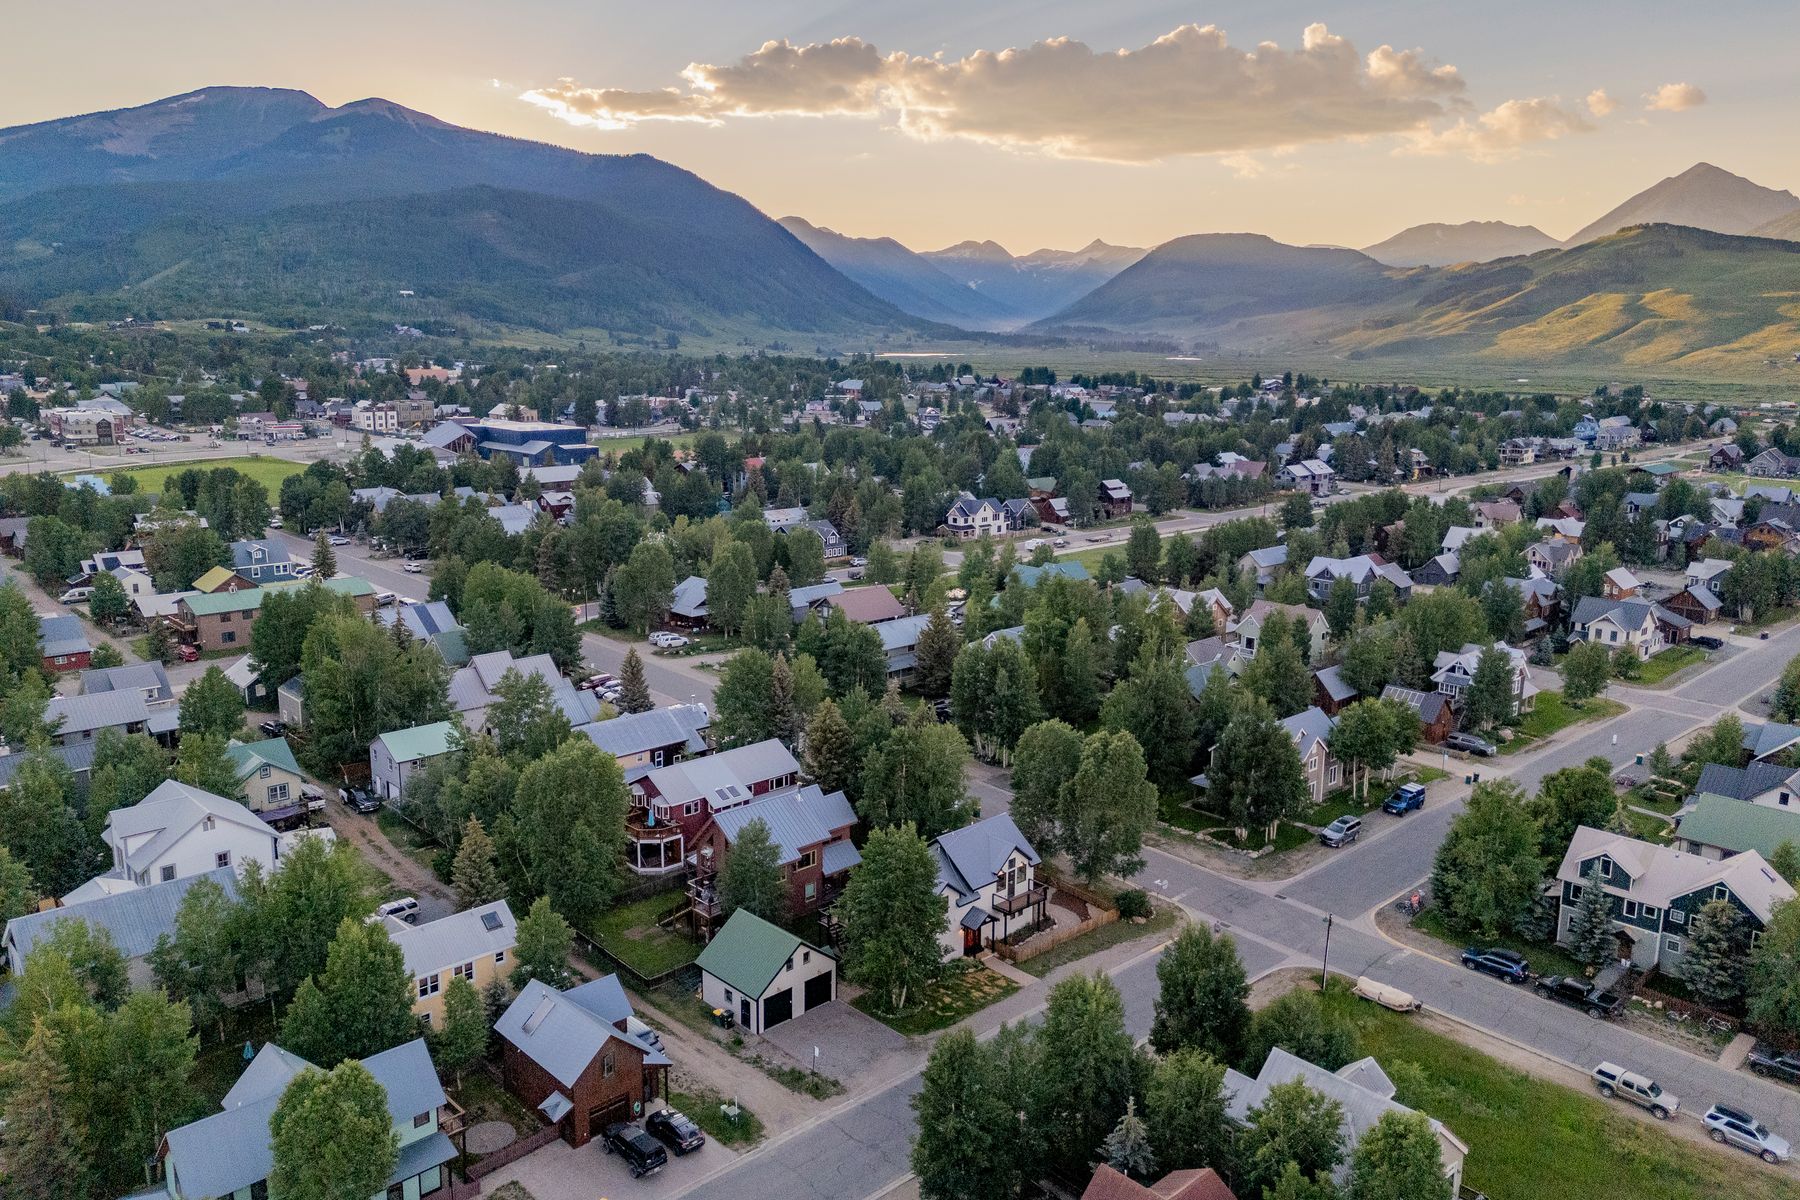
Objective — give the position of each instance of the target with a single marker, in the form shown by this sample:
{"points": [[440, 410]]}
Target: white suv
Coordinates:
{"points": [[664, 640]]}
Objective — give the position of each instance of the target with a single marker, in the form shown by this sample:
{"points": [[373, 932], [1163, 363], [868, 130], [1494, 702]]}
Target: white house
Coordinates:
{"points": [[1454, 671], [397, 756], [1246, 631], [174, 832], [1617, 624], [763, 975], [987, 874], [972, 517]]}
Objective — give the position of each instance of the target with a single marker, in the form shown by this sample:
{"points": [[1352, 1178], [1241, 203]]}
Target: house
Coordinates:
{"points": [[147, 679], [1204, 657], [581, 1058], [473, 688], [835, 546], [1696, 605], [687, 606], [1026, 576], [134, 919], [1456, 535], [430, 621], [1617, 433], [475, 944], [1051, 510], [1263, 564], [1115, 499], [811, 831], [867, 605], [1637, 625], [1708, 572], [1763, 742], [1562, 529], [1441, 571], [970, 517], [1766, 783], [221, 579], [642, 742], [803, 601], [222, 620], [1247, 629], [1362, 570], [1542, 600], [671, 805], [1437, 720], [1495, 514], [1729, 457], [270, 782], [1619, 584], [762, 975], [1454, 671], [1310, 730], [987, 874], [174, 832], [900, 642], [290, 702], [1190, 1184], [80, 718], [1309, 475], [1718, 827], [262, 560], [63, 643], [1654, 892], [1330, 692], [1773, 464], [395, 757], [229, 1154], [1362, 1091], [123, 565], [1552, 557]]}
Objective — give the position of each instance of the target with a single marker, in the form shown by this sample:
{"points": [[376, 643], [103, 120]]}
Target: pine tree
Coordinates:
{"points": [[463, 1039], [1716, 954], [1127, 1147], [753, 878], [1490, 698], [324, 560], [634, 691], [784, 719], [1590, 930], [40, 1147], [831, 749], [475, 873], [939, 643], [543, 942]]}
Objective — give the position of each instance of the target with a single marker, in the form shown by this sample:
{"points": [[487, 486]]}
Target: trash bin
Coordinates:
{"points": [[722, 1018]]}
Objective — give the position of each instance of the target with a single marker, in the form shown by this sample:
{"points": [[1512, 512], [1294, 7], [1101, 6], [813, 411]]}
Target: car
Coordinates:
{"points": [[1641, 1090], [1468, 743], [412, 568], [1096, 537], [1406, 798], [641, 1152], [383, 599], [273, 729], [855, 574], [360, 799], [1060, 543], [274, 522], [664, 640], [1772, 1062], [1508, 965], [404, 909], [187, 653], [1734, 1127], [1579, 993], [594, 682], [76, 595], [1707, 643], [856, 562], [1342, 831], [338, 539], [675, 1130]]}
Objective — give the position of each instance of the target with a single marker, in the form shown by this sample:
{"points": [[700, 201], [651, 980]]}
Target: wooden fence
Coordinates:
{"points": [[489, 1163]]}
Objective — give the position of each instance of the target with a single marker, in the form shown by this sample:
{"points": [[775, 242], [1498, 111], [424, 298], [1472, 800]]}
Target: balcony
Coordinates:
{"points": [[1023, 901], [653, 849], [451, 1118], [703, 899]]}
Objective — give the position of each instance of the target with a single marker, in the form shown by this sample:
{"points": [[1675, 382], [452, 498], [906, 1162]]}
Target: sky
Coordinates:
{"points": [[1046, 123]]}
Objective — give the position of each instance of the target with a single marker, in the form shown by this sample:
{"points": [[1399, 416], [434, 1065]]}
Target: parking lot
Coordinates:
{"points": [[561, 1172]]}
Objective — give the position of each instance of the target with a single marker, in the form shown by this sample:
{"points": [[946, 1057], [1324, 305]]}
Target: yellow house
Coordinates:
{"points": [[476, 945], [269, 780]]}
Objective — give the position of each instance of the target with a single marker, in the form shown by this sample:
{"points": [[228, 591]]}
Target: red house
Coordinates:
{"points": [[1437, 720], [672, 804], [810, 829]]}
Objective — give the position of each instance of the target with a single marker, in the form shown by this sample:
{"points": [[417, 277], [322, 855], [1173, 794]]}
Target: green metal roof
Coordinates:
{"points": [[1738, 825], [421, 741], [210, 605], [250, 756], [749, 952]]}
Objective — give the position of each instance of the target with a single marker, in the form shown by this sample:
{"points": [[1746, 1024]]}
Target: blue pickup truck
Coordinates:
{"points": [[1406, 797]]}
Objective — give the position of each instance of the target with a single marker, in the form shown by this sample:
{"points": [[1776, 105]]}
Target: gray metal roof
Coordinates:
{"points": [[458, 938], [100, 710], [258, 552], [131, 676], [78, 757], [134, 919], [796, 820], [472, 687], [969, 858], [562, 1033], [901, 633], [707, 777], [168, 813], [637, 733], [690, 598], [62, 634]]}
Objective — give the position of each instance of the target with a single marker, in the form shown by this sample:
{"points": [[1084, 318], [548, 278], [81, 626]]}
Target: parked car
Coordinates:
{"points": [[1060, 543], [1735, 1127], [274, 522], [338, 539], [1772, 1062], [664, 640], [76, 595], [1707, 643], [673, 1129], [1342, 831], [302, 570], [187, 653], [1579, 993], [1508, 965], [412, 568], [273, 729], [383, 599], [1614, 1080], [360, 799], [1468, 743], [595, 682], [641, 1152], [859, 562], [406, 909], [1406, 798]]}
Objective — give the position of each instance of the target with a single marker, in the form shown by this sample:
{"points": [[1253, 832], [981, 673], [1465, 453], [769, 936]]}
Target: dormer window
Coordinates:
{"points": [[1604, 867]]}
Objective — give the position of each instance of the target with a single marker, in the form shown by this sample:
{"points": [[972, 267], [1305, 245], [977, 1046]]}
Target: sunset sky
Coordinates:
{"points": [[1129, 120]]}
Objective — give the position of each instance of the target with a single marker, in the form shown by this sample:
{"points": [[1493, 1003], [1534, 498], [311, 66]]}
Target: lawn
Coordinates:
{"points": [[1094, 941], [1172, 811], [962, 991], [1341, 802], [635, 935], [1665, 664], [1552, 714], [705, 1108], [265, 470], [1545, 958], [1530, 1138]]}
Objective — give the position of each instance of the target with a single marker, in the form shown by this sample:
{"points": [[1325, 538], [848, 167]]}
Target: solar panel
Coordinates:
{"points": [[538, 1014]]}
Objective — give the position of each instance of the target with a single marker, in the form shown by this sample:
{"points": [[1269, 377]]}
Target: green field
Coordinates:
{"points": [[267, 471], [944, 1003]]}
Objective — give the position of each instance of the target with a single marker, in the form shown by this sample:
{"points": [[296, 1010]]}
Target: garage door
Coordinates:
{"points": [[602, 1115], [778, 1008], [818, 991]]}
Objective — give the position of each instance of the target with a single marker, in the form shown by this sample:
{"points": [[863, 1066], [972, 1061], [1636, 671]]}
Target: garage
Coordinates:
{"points": [[818, 991], [600, 1116], [763, 974], [778, 1007]]}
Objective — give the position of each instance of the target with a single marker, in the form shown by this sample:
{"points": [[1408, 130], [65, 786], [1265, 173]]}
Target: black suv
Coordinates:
{"points": [[1508, 965], [1579, 993], [1771, 1061], [641, 1152], [673, 1128]]}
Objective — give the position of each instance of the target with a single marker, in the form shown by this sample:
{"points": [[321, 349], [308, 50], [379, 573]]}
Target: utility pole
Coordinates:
{"points": [[1325, 959]]}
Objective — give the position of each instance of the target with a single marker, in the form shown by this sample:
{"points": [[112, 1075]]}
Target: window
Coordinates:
{"points": [[728, 995], [278, 793], [259, 1190], [428, 986], [807, 860], [168, 873], [1630, 909], [263, 774], [691, 808], [789, 965], [1720, 891], [608, 1064], [499, 958], [464, 971], [1331, 776], [222, 859], [805, 957], [397, 1192], [1677, 917], [1672, 945], [812, 890], [1604, 867], [425, 1018], [656, 758], [1651, 912], [1574, 891], [228, 637], [422, 1120]]}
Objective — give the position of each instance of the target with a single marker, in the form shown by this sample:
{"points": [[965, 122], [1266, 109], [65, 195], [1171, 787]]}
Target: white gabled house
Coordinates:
{"points": [[1455, 671], [174, 832], [987, 874]]}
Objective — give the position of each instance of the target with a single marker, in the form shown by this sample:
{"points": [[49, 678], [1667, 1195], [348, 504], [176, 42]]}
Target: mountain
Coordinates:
{"points": [[269, 203], [1786, 228], [1034, 285], [1440, 245], [904, 279], [1702, 197]]}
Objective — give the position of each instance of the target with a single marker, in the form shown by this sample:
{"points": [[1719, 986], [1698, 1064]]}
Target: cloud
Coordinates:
{"points": [[1600, 104], [1675, 97], [1504, 131], [1189, 92]]}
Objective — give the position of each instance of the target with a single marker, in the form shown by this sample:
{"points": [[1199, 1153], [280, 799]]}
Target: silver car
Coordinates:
{"points": [[1735, 1127]]}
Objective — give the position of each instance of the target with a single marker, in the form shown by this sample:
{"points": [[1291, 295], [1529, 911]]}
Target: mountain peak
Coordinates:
{"points": [[971, 248], [1703, 196], [1437, 244]]}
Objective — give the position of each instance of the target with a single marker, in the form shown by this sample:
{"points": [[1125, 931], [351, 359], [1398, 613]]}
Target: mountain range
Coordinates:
{"points": [[905, 279], [1439, 245]]}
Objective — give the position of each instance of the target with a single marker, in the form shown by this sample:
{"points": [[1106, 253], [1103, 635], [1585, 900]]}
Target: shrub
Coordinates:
{"points": [[1133, 903]]}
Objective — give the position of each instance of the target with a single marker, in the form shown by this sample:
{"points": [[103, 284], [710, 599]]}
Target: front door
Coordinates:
{"points": [[744, 1012], [971, 942]]}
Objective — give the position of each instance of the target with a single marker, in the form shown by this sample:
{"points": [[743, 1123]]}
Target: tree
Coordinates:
{"points": [[474, 873], [569, 827], [830, 749], [730, 582], [1127, 1147], [768, 623], [360, 1005], [324, 558], [1585, 671], [1785, 860], [1716, 953], [1088, 1071], [1293, 1124], [1340, 608], [283, 620], [463, 1040], [1046, 759], [1488, 870], [1399, 1159], [939, 643], [893, 917], [753, 877], [1568, 799], [1202, 996], [201, 961], [803, 551], [644, 585], [1143, 552], [1255, 776], [212, 704], [331, 1136], [203, 762], [968, 1145], [361, 684], [40, 829], [109, 603], [1490, 699], [525, 720], [1077, 697], [1106, 807], [41, 1147], [1184, 1104], [1591, 938], [1299, 1023], [1155, 707], [18, 894], [1722, 743], [135, 1083], [916, 777], [299, 908], [741, 710], [544, 941], [634, 691], [1278, 674]]}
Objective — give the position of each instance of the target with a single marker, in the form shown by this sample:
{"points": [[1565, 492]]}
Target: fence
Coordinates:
{"points": [[489, 1163], [1100, 912]]}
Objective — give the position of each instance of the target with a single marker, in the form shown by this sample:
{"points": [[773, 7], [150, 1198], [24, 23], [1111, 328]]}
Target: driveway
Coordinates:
{"points": [[850, 1043], [561, 1172]]}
